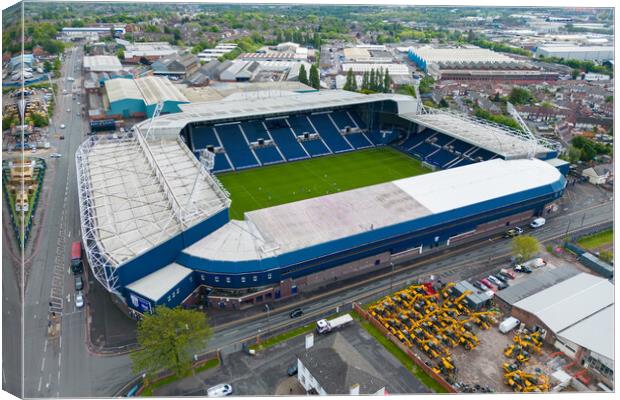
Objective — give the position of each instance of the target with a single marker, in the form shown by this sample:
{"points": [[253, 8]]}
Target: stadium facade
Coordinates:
{"points": [[159, 233]]}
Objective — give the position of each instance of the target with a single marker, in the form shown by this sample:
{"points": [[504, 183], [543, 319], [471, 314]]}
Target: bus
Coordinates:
{"points": [[76, 258]]}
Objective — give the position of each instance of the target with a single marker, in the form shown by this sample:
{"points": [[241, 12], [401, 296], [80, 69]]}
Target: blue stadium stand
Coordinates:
{"points": [[356, 119], [423, 150], [300, 124], [287, 143], [268, 155], [342, 120], [254, 130], [461, 146], [442, 140], [315, 147], [236, 147], [480, 152], [359, 140], [329, 133], [221, 163], [420, 139], [203, 136], [440, 158]]}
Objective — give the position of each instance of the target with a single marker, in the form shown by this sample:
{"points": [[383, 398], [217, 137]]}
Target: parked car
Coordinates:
{"points": [[62, 137], [522, 268], [488, 284], [62, 126], [296, 313], [221, 390], [508, 272], [500, 277], [516, 231], [68, 110], [79, 299], [479, 285], [495, 281], [79, 283], [504, 275], [538, 222], [292, 370]]}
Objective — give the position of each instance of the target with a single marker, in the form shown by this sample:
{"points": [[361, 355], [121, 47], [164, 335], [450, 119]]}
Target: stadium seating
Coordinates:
{"points": [[356, 118], [203, 136], [461, 146], [221, 163], [286, 141], [423, 150], [268, 155], [236, 147], [315, 147], [441, 140], [342, 119], [440, 158], [480, 152], [254, 130], [300, 124], [359, 140], [329, 133]]}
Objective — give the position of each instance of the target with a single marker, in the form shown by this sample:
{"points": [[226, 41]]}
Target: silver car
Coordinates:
{"points": [[79, 299], [221, 390]]}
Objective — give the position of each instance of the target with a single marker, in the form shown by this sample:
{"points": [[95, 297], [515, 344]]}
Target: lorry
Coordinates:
{"points": [[325, 326], [76, 258], [508, 324]]}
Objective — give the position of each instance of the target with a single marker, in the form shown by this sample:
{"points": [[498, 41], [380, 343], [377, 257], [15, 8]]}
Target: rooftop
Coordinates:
{"points": [[539, 280], [451, 55], [155, 285], [151, 89], [102, 63]]}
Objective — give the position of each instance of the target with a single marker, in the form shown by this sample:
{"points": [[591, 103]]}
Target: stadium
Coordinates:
{"points": [[257, 197]]}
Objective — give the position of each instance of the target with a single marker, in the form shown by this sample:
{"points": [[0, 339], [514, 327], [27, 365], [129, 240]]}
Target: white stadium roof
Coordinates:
{"points": [[579, 309], [155, 285], [498, 139], [288, 227], [136, 194]]}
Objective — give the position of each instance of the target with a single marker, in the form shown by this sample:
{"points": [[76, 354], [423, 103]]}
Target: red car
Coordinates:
{"points": [[488, 284]]}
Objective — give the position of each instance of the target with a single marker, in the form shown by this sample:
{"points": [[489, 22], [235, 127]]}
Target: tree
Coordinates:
{"points": [[443, 103], [47, 66], [574, 154], [168, 339], [303, 75], [519, 96], [350, 84], [315, 82], [371, 80], [525, 246], [120, 53], [387, 82], [606, 256], [365, 80]]}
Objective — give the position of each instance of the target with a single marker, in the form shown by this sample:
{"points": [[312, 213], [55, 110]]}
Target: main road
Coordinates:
{"points": [[62, 365]]}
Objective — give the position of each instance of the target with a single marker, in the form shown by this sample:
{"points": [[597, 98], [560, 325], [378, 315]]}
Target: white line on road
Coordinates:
{"points": [[45, 346], [42, 364], [40, 382], [59, 358]]}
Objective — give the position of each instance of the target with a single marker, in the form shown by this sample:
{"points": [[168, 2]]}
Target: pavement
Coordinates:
{"points": [[266, 373]]}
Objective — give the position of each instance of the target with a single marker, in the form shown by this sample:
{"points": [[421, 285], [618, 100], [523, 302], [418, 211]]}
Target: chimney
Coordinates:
{"points": [[354, 390]]}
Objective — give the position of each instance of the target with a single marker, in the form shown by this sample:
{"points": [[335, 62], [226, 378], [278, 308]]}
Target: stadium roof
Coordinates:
{"points": [[170, 125], [102, 63], [135, 195], [578, 309], [155, 285], [467, 55], [150, 89], [288, 227], [498, 139]]}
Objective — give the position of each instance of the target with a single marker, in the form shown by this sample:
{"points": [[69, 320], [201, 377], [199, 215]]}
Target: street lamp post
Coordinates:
{"points": [[391, 276], [268, 317]]}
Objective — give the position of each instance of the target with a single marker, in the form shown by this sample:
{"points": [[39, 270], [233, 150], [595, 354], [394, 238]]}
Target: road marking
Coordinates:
{"points": [[40, 382], [59, 358], [45, 346], [42, 364]]}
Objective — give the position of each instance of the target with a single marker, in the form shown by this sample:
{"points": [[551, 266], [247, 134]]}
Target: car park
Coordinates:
{"points": [[296, 313], [79, 300], [221, 390]]}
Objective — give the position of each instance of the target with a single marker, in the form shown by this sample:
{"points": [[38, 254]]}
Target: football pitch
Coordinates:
{"points": [[272, 185]]}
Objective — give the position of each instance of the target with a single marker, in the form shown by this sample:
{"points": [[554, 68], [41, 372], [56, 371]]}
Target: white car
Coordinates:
{"points": [[79, 300], [68, 110], [62, 126], [55, 155], [221, 390]]}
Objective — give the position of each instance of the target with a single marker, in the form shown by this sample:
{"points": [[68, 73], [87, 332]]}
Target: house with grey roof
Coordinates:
{"points": [[335, 367]]}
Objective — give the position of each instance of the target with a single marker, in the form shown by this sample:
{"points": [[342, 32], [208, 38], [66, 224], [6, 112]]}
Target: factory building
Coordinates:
{"points": [[102, 64], [583, 53], [151, 51]]}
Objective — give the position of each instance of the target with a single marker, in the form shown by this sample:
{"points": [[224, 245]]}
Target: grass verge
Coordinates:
{"points": [[148, 391], [400, 355], [272, 341], [597, 240]]}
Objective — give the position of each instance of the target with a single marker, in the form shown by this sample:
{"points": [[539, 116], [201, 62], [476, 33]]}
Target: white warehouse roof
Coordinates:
{"points": [[466, 55], [394, 69], [155, 285], [151, 89], [579, 309], [102, 63]]}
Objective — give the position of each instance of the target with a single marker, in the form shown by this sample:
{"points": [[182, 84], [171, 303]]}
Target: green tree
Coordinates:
{"points": [[443, 103], [315, 81], [519, 96], [407, 89], [387, 82], [350, 84], [168, 339], [525, 246], [372, 82], [365, 80], [120, 53], [47, 66], [303, 75], [574, 154]]}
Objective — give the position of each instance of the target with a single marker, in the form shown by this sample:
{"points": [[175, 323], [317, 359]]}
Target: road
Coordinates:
{"points": [[63, 366]]}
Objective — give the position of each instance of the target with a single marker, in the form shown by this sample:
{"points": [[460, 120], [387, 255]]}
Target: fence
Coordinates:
{"points": [[414, 357]]}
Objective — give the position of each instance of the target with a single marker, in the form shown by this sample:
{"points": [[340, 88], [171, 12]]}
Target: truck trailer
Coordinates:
{"points": [[325, 326]]}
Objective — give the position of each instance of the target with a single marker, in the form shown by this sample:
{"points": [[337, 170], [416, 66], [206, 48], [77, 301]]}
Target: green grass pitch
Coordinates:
{"points": [[272, 185]]}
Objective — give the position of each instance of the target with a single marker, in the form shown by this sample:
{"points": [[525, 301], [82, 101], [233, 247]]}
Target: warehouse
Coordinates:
{"points": [[583, 53], [151, 51], [577, 316], [392, 68], [139, 97], [102, 64]]}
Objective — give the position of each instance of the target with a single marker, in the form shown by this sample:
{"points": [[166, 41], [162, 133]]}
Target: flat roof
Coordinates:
{"points": [[155, 285], [393, 68], [451, 55], [155, 89], [102, 63], [506, 142], [121, 88], [535, 282], [136, 194], [562, 48], [569, 302], [595, 333], [293, 226]]}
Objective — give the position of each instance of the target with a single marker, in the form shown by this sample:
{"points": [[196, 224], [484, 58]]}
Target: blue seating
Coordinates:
{"points": [[342, 120], [286, 141], [461, 146], [375, 137], [357, 119], [423, 150], [411, 141], [485, 154], [462, 162], [268, 155], [221, 163], [254, 130], [203, 136], [300, 124], [358, 140], [442, 140], [315, 147], [441, 158], [329, 133], [236, 147]]}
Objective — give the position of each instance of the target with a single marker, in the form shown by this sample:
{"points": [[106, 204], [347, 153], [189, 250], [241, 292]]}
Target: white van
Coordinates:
{"points": [[508, 324], [538, 222], [535, 263]]}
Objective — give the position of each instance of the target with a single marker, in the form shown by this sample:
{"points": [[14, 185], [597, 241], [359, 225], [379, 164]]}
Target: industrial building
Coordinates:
{"points": [[182, 251], [102, 64], [583, 53], [91, 32], [393, 68], [176, 65], [576, 315], [218, 51], [138, 97], [151, 51]]}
